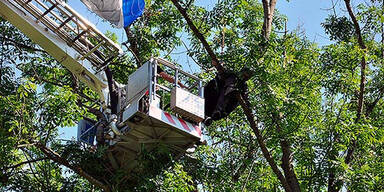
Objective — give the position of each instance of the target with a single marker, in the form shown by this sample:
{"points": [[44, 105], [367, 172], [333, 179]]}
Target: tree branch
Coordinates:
{"points": [[286, 159], [200, 36], [269, 11], [133, 45], [34, 174], [244, 99], [20, 45], [249, 156], [58, 159], [372, 105], [363, 61], [244, 102], [26, 162], [363, 64], [336, 184]]}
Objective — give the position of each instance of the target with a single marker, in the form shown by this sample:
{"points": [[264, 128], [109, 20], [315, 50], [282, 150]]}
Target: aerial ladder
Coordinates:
{"points": [[150, 111]]}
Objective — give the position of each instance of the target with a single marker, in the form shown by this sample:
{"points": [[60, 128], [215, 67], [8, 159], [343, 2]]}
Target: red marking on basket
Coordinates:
{"points": [[197, 128], [184, 124], [169, 117]]}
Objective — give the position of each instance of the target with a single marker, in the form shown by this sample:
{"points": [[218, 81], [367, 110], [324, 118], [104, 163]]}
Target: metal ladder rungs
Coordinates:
{"points": [[64, 23], [47, 11], [91, 51], [78, 36], [57, 17], [107, 62]]}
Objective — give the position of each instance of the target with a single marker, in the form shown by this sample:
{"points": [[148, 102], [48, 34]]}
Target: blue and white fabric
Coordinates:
{"points": [[121, 13]]}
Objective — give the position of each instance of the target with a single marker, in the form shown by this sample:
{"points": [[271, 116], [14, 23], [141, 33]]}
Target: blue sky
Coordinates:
{"points": [[305, 15]]}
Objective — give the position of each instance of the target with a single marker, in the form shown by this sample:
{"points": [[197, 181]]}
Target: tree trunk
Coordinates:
{"points": [[286, 159], [333, 183], [269, 11], [287, 166]]}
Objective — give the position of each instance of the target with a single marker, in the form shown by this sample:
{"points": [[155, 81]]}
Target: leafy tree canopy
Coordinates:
{"points": [[311, 119]]}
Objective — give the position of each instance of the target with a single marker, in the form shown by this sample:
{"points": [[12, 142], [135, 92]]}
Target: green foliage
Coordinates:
{"points": [[313, 91], [338, 28], [177, 180]]}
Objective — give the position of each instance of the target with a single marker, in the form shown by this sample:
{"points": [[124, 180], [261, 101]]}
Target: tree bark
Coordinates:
{"points": [[363, 61], [287, 166], [286, 159], [336, 184], [363, 65], [269, 11]]}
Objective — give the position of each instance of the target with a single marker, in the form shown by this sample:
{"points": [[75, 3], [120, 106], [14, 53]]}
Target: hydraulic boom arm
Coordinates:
{"points": [[149, 114], [66, 36]]}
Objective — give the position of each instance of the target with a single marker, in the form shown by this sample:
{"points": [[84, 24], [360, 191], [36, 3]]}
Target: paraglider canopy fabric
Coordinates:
{"points": [[121, 13], [132, 9]]}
